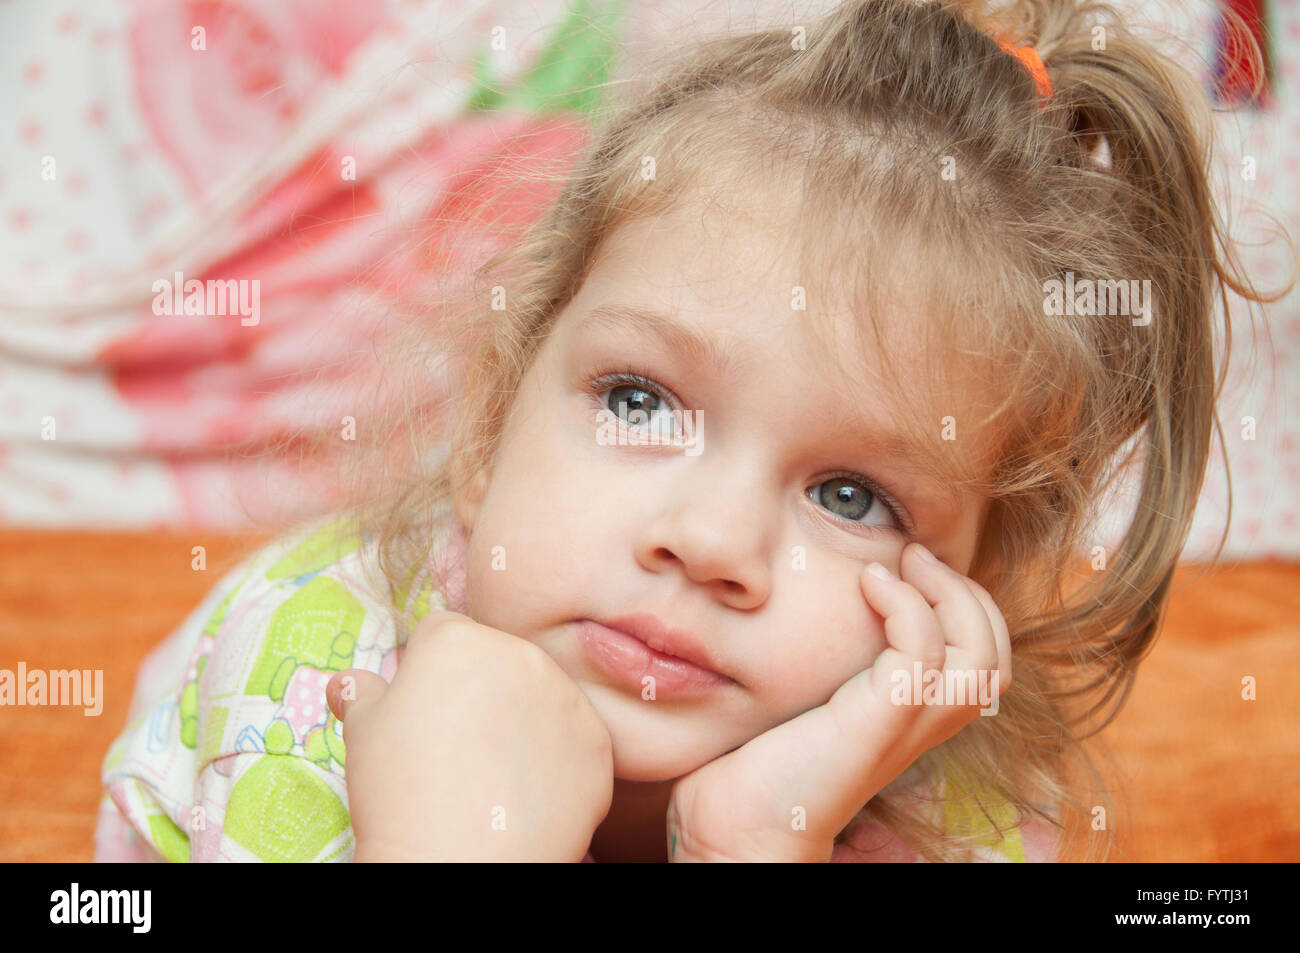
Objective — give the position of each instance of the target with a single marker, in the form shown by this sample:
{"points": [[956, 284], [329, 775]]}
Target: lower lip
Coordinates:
{"points": [[630, 661]]}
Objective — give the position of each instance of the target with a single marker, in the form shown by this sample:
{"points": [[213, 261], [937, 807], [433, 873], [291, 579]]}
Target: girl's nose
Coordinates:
{"points": [[718, 535]]}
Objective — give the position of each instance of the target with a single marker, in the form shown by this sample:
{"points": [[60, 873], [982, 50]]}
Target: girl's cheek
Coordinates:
{"points": [[848, 648], [793, 677]]}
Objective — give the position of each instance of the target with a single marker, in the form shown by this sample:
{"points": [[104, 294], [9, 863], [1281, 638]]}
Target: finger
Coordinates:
{"points": [[911, 627], [963, 618], [351, 687], [914, 637], [1000, 631]]}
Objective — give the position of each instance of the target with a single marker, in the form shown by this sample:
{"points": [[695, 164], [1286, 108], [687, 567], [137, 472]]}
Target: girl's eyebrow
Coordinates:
{"points": [[676, 337], [920, 461]]}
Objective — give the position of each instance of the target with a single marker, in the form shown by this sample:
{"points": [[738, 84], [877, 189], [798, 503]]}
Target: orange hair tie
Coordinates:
{"points": [[1029, 56]]}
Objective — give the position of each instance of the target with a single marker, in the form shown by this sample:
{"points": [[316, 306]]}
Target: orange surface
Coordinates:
{"points": [[1208, 776]]}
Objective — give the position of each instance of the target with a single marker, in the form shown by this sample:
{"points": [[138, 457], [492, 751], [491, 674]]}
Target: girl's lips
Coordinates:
{"points": [[631, 661]]}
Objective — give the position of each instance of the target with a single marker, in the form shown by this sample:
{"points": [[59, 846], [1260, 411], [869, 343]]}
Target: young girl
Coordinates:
{"points": [[769, 439]]}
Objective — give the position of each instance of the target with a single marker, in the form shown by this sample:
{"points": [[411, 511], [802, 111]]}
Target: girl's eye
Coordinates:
{"points": [[642, 404], [637, 402], [851, 498]]}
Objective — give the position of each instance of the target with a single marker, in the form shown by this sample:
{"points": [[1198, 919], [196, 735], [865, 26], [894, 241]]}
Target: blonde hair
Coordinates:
{"points": [[883, 96]]}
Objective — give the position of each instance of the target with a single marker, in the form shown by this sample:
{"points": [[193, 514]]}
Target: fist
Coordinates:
{"points": [[481, 749]]}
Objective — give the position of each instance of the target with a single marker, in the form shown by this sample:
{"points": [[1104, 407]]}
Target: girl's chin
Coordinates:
{"points": [[657, 740], [645, 761]]}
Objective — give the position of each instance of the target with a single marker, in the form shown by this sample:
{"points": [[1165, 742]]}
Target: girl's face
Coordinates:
{"points": [[750, 533]]}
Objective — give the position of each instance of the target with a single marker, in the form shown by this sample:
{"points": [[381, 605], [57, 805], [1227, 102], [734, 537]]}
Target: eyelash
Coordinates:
{"points": [[608, 381]]}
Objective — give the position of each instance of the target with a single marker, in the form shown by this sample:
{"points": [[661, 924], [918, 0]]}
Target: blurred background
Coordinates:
{"points": [[336, 151]]}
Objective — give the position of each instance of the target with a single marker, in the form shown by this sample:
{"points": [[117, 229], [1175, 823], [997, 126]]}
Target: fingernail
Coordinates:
{"points": [[925, 554], [879, 571]]}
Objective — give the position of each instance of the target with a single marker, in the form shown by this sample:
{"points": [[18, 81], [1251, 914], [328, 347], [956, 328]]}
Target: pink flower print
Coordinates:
{"points": [[304, 701], [215, 101]]}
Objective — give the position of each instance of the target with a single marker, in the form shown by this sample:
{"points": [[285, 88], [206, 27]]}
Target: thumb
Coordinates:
{"points": [[351, 687]]}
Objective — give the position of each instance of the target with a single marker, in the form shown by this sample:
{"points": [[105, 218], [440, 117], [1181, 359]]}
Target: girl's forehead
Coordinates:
{"points": [[723, 266], [856, 290]]}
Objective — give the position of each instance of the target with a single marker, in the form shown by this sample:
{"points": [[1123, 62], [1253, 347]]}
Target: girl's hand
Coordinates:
{"points": [[481, 749], [825, 764]]}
